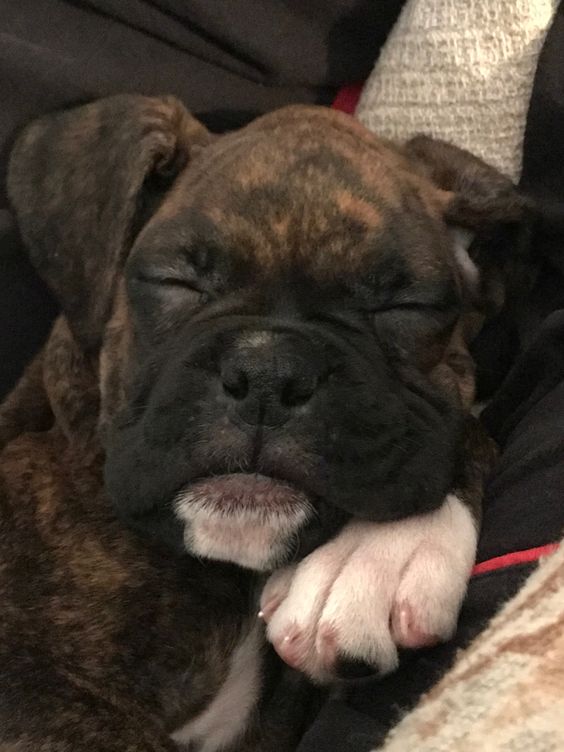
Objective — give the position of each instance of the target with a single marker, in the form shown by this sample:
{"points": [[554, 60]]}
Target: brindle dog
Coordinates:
{"points": [[263, 336]]}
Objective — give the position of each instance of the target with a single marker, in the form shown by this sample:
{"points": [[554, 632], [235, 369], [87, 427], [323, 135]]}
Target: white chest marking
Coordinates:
{"points": [[228, 715]]}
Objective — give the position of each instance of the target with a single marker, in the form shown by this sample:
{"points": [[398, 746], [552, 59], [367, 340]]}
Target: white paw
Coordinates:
{"points": [[373, 588]]}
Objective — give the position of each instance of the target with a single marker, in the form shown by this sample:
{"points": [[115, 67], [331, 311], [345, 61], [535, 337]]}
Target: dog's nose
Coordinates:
{"points": [[265, 382]]}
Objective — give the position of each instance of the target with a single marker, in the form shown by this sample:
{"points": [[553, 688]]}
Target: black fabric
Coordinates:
{"points": [[238, 57], [525, 501], [228, 60], [543, 178], [359, 719]]}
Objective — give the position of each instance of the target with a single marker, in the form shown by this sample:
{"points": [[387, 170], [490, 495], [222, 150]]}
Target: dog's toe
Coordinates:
{"points": [[374, 588], [275, 591]]}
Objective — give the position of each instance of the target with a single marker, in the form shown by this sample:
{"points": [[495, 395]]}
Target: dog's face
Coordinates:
{"points": [[280, 315]]}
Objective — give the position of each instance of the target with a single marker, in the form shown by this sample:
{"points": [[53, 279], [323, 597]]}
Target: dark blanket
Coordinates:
{"points": [[229, 60]]}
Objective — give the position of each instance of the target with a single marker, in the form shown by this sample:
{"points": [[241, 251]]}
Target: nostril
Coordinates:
{"points": [[296, 392], [235, 383]]}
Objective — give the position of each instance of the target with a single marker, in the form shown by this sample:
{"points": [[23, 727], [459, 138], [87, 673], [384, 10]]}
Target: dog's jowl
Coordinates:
{"points": [[257, 397]]}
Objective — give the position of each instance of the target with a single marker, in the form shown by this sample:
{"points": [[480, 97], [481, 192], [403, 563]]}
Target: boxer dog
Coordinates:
{"points": [[257, 396]]}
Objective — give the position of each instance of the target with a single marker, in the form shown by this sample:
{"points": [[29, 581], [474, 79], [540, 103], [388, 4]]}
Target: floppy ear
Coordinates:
{"points": [[82, 183], [480, 195], [501, 220], [480, 199]]}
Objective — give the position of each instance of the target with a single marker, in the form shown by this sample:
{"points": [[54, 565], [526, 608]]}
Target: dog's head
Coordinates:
{"points": [[280, 315]]}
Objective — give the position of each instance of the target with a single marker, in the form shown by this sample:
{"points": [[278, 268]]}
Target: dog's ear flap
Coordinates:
{"points": [[476, 196], [83, 181]]}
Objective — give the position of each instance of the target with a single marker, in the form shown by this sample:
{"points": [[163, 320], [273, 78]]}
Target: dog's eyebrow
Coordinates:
{"points": [[440, 294], [391, 272], [176, 246], [383, 272]]}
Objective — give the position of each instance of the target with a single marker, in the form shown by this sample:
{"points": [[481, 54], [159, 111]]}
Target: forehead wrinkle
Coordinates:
{"points": [[315, 234], [307, 196], [331, 126], [273, 143], [306, 157], [378, 163], [359, 208], [276, 227], [243, 236]]}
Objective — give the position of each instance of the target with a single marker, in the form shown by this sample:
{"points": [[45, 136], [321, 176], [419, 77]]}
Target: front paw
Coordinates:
{"points": [[373, 588]]}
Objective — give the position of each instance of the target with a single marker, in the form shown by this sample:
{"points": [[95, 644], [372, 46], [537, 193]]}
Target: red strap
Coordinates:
{"points": [[347, 98], [515, 557]]}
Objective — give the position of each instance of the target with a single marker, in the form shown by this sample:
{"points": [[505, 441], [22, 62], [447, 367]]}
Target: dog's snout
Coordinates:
{"points": [[266, 381]]}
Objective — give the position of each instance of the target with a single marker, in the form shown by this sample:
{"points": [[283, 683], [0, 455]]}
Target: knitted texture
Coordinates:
{"points": [[461, 70], [505, 693]]}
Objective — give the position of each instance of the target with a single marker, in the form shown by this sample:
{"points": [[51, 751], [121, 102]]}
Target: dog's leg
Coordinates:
{"points": [[379, 586]]}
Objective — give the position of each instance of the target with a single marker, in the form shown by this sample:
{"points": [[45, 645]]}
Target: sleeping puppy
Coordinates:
{"points": [[260, 375]]}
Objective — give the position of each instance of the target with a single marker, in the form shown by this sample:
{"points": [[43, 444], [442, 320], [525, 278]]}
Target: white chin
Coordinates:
{"points": [[250, 520]]}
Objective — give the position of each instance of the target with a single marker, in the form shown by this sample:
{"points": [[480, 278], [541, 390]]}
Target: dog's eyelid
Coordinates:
{"points": [[163, 276], [164, 279], [431, 297], [336, 321], [414, 305]]}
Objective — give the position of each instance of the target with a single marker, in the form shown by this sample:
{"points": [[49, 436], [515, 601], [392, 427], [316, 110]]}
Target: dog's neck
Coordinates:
{"points": [[58, 391]]}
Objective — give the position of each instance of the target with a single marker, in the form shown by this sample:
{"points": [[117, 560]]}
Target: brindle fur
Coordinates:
{"points": [[108, 641]]}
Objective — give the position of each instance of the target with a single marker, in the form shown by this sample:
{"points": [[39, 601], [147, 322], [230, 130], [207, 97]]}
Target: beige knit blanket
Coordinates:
{"points": [[505, 693], [461, 70]]}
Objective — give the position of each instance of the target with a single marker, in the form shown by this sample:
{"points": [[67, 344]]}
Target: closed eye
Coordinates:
{"points": [[336, 321], [415, 316], [417, 306], [151, 279], [175, 289]]}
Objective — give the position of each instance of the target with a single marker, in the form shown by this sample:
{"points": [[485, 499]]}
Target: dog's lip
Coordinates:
{"points": [[234, 492], [249, 519]]}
